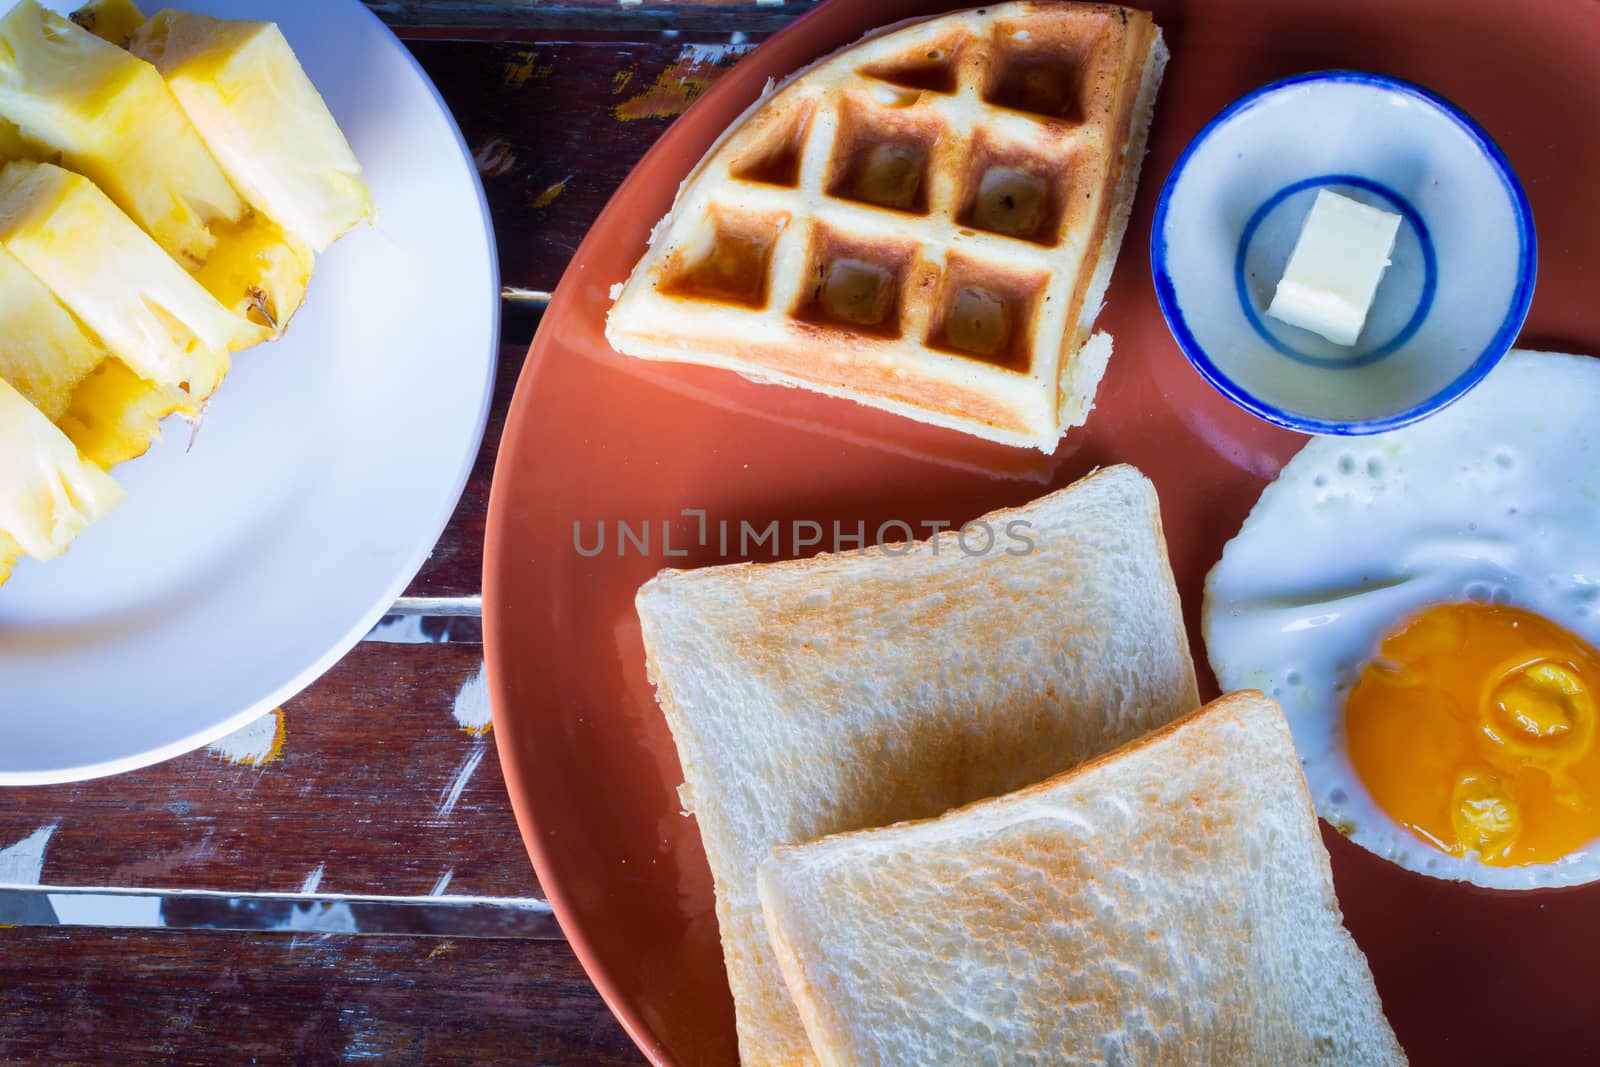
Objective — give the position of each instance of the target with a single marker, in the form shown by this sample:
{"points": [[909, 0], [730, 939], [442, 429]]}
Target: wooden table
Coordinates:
{"points": [[343, 879]]}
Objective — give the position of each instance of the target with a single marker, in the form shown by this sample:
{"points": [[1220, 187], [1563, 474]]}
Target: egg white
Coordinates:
{"points": [[1496, 498]]}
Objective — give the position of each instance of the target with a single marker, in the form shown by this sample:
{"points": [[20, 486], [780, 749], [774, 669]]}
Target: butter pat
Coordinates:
{"points": [[1335, 267]]}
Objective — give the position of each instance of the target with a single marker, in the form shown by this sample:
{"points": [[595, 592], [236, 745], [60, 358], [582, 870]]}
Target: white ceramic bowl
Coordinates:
{"points": [[1450, 304]]}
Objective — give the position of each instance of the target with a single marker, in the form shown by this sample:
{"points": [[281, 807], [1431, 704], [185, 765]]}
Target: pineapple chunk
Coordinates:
{"points": [[111, 118], [265, 123], [143, 306], [109, 20], [63, 370], [15, 146], [259, 272], [48, 493], [115, 415], [44, 351]]}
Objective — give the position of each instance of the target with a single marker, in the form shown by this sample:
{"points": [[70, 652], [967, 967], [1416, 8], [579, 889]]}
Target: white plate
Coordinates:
{"points": [[328, 464]]}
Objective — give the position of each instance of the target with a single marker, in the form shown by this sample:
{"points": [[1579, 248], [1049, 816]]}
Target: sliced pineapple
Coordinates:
{"points": [[44, 352], [263, 120], [15, 146], [145, 308], [111, 118], [63, 370], [259, 272], [48, 492], [115, 415], [109, 20]]}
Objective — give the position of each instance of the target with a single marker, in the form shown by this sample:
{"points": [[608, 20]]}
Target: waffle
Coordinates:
{"points": [[924, 222]]}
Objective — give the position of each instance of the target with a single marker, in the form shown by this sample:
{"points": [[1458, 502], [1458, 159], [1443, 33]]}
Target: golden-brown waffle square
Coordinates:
{"points": [[924, 222]]}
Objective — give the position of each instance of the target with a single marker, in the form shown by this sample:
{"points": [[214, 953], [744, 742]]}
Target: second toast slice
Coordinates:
{"points": [[1168, 903]]}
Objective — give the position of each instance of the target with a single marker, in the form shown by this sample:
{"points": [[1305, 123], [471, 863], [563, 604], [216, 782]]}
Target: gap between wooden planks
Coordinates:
{"points": [[307, 913]]}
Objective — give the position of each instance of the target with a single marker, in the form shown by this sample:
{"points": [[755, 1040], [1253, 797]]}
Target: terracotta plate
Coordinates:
{"points": [[595, 439]]}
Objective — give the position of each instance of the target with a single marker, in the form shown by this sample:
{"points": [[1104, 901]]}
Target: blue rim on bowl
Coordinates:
{"points": [[1504, 337]]}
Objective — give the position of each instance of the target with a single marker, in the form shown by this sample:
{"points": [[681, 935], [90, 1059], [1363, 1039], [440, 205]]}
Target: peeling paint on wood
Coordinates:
{"points": [[254, 744], [517, 72], [165, 865], [494, 158], [697, 68], [471, 709], [458, 784], [546, 198], [23, 862]]}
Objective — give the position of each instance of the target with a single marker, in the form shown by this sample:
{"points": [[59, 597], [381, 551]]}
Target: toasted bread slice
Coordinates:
{"points": [[924, 222], [854, 690], [1168, 903]]}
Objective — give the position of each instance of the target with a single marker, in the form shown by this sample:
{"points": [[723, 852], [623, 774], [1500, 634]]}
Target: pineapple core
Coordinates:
{"points": [[48, 492], [243, 89]]}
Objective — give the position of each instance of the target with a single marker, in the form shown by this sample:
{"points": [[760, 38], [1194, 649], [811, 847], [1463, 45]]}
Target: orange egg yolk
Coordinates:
{"points": [[1474, 729]]}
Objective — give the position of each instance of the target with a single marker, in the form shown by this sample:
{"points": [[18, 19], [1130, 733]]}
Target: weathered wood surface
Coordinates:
{"points": [[556, 125], [632, 15], [367, 783], [94, 997]]}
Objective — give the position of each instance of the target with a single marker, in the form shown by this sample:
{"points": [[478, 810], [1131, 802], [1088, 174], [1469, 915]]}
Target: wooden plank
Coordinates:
{"points": [[556, 125], [368, 783], [84, 996], [765, 15]]}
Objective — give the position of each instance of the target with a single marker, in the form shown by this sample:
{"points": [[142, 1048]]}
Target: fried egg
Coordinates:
{"points": [[1425, 604]]}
